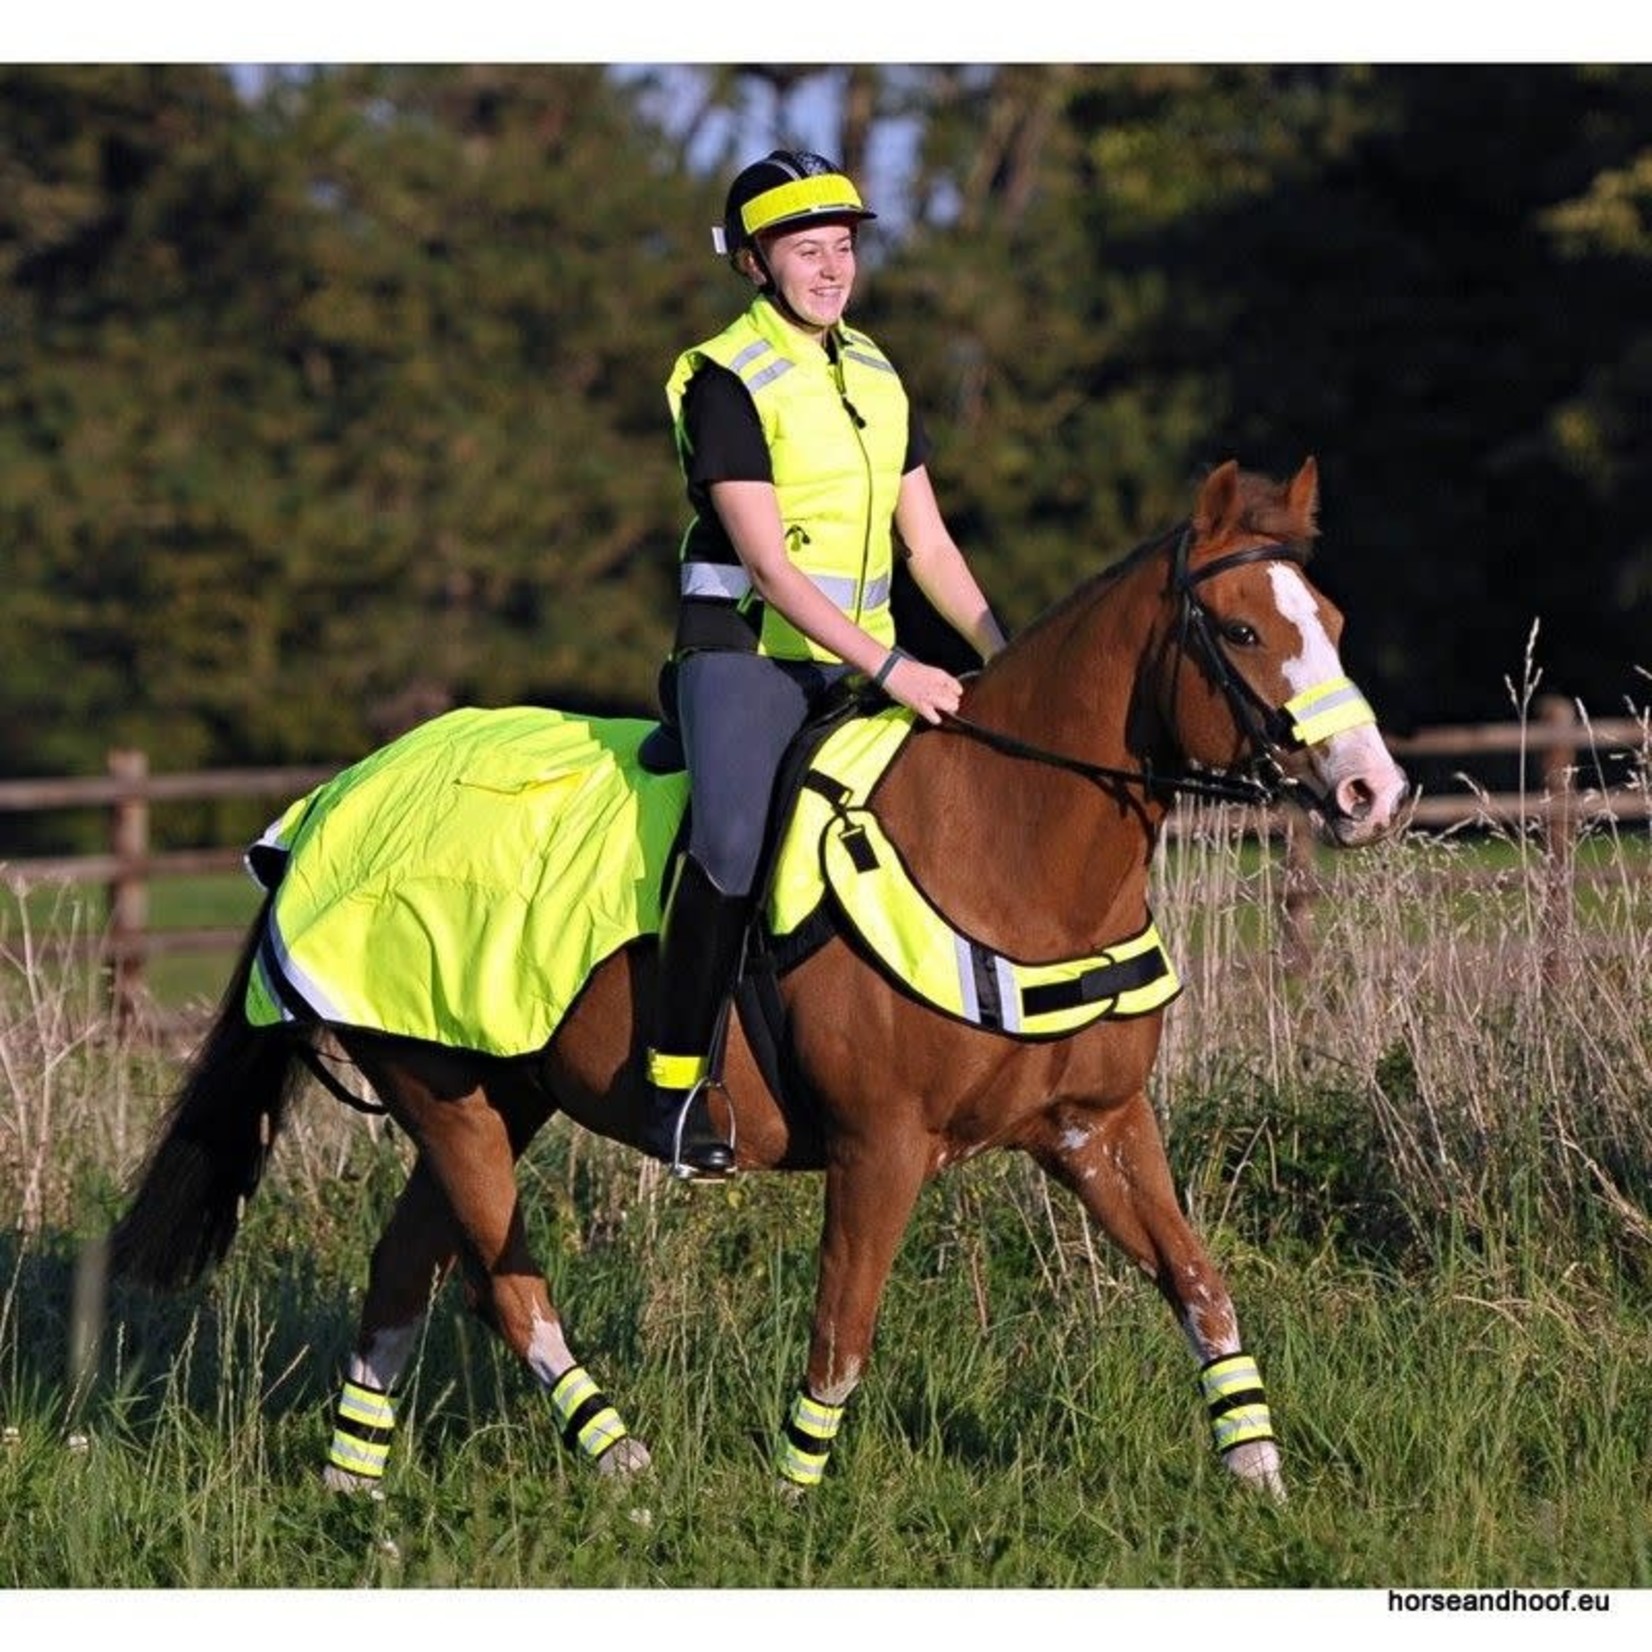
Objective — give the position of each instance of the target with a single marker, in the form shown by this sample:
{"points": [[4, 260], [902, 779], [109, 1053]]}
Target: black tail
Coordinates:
{"points": [[211, 1153]]}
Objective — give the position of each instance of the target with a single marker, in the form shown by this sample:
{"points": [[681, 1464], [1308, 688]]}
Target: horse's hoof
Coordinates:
{"points": [[1257, 1464], [355, 1485], [626, 1456]]}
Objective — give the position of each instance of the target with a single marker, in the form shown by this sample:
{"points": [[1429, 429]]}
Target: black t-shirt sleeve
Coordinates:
{"points": [[917, 440], [722, 432], [724, 436]]}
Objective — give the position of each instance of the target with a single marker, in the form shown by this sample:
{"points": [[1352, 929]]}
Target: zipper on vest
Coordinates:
{"points": [[859, 425]]}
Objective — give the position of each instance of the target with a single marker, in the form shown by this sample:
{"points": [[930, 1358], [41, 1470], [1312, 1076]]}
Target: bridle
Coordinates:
{"points": [[1273, 731]]}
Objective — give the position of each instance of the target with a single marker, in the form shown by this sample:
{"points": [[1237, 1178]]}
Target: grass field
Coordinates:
{"points": [[1426, 1169]]}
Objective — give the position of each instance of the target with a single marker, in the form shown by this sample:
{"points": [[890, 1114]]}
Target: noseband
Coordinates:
{"points": [[1271, 730]]}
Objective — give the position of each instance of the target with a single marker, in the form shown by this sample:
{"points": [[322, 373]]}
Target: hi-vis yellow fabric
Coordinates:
{"points": [[837, 438], [967, 979], [460, 884], [835, 842], [854, 756]]}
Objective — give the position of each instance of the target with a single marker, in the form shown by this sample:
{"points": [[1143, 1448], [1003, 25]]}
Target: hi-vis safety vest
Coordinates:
{"points": [[919, 947], [837, 438]]}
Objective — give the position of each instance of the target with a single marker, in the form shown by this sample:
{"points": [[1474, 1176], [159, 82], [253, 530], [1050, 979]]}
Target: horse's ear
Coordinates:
{"points": [[1218, 501], [1303, 497]]}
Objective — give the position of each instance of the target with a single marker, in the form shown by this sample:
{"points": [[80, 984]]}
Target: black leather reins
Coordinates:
{"points": [[1264, 725]]}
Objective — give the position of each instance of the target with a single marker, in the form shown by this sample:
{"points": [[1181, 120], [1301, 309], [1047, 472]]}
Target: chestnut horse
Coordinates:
{"points": [[1204, 662]]}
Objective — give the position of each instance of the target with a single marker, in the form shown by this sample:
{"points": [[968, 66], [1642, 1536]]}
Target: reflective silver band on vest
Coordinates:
{"points": [[766, 374], [852, 354], [729, 582]]}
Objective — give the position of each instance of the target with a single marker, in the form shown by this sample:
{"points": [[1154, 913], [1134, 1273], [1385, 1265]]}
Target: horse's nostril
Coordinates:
{"points": [[1355, 798]]}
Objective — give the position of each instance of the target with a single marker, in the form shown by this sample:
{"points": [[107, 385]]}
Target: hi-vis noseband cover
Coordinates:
{"points": [[1325, 709]]}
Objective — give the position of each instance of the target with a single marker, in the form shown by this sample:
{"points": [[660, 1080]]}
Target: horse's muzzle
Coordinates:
{"points": [[1362, 808]]}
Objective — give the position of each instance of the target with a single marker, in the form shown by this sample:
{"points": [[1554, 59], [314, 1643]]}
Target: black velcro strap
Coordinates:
{"points": [[813, 1445], [581, 1416], [823, 785], [366, 1433], [1235, 1401], [862, 855], [1106, 981]]}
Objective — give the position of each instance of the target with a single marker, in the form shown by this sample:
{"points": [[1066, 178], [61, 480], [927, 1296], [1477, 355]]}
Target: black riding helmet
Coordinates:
{"points": [[785, 190]]}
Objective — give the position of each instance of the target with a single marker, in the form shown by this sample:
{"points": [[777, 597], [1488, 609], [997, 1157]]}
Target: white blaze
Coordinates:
{"points": [[1356, 755], [1319, 661]]}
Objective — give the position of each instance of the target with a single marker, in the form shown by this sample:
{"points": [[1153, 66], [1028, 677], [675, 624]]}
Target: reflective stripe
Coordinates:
{"points": [[968, 999], [729, 582], [1009, 993], [816, 1418], [358, 1457], [802, 1468], [756, 381], [1241, 1427], [754, 351], [1327, 708], [366, 1405], [1238, 1407], [590, 1424], [811, 1426], [852, 354], [300, 980], [1227, 1375], [364, 1423]]}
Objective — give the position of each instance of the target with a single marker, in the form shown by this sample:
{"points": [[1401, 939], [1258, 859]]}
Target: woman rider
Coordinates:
{"points": [[799, 450]]}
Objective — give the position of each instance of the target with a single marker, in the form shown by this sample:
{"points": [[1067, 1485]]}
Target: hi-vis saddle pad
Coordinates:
{"points": [[460, 885]]}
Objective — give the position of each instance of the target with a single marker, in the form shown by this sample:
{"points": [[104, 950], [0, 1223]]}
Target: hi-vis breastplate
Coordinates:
{"points": [[921, 950]]}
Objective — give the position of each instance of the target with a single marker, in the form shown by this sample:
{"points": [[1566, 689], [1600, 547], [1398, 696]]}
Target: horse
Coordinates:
{"points": [[1203, 662]]}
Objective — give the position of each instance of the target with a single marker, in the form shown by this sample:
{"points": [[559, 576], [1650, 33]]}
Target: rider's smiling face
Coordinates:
{"points": [[813, 270]]}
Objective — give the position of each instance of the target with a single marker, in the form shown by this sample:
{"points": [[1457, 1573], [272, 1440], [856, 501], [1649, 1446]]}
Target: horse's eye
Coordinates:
{"points": [[1238, 633]]}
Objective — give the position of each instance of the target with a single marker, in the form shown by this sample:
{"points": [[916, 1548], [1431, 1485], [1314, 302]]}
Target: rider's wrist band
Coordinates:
{"points": [[891, 660]]}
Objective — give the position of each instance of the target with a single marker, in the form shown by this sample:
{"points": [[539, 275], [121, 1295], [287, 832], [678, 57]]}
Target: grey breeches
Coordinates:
{"points": [[737, 714]]}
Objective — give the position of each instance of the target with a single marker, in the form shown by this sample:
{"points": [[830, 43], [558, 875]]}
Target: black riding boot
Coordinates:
{"points": [[699, 951]]}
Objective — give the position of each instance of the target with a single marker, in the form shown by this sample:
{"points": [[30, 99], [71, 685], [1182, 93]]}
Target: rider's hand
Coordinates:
{"points": [[925, 689]]}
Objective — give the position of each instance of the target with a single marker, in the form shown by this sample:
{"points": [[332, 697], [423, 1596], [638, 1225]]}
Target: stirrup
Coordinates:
{"points": [[694, 1173]]}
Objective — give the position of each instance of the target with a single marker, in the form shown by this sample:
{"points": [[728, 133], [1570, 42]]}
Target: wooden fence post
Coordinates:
{"points": [[1559, 825], [128, 886]]}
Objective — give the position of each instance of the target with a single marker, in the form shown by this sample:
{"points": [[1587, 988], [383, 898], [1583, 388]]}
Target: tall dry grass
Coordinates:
{"points": [[1475, 1019]]}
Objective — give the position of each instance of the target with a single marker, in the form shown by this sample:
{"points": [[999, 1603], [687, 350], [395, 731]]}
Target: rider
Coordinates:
{"points": [[799, 450]]}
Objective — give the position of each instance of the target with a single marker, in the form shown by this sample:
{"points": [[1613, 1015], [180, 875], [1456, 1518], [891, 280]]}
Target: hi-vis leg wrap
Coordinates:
{"points": [[1232, 1389], [362, 1427], [589, 1422], [810, 1429]]}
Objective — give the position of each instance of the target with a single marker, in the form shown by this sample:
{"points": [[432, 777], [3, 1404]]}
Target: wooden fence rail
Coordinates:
{"points": [[1571, 792]]}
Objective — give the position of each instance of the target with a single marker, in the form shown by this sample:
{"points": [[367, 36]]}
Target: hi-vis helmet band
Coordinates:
{"points": [[1325, 709], [829, 192]]}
